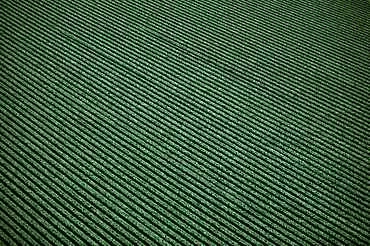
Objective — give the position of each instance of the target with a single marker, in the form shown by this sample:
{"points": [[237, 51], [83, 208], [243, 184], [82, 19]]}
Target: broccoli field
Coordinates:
{"points": [[226, 122]]}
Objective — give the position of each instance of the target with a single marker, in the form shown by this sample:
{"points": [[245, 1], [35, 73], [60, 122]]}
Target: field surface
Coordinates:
{"points": [[224, 122]]}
